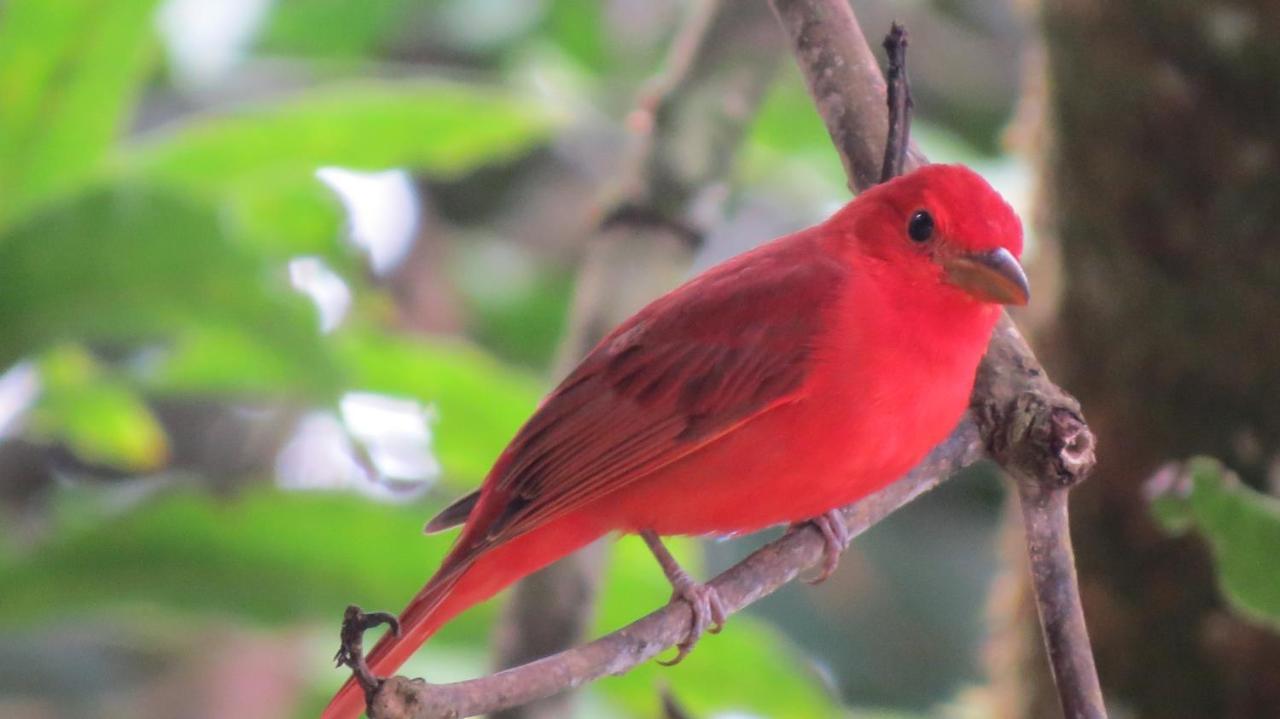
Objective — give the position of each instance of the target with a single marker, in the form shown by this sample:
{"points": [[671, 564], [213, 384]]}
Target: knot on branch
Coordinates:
{"points": [[1038, 438], [1029, 425], [1073, 442], [402, 697]]}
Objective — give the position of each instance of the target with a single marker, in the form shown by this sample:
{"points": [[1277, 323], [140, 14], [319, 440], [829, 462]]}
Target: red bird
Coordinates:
{"points": [[775, 387]]}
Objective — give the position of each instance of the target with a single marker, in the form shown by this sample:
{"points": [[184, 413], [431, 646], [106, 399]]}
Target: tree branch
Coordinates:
{"points": [[1030, 426], [755, 577], [1018, 416]]}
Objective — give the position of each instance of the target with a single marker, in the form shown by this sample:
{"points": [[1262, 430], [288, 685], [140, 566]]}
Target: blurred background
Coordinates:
{"points": [[280, 278]]}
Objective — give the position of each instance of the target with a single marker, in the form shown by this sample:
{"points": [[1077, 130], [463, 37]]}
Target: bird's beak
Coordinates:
{"points": [[991, 276]]}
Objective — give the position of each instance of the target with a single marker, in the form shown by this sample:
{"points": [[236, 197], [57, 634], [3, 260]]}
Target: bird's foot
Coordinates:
{"points": [[708, 609], [351, 651], [708, 615], [836, 539]]}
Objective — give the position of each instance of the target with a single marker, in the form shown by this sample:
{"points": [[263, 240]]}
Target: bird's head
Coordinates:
{"points": [[942, 224]]}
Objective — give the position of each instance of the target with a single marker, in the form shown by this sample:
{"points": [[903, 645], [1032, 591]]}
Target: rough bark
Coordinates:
{"points": [[1164, 174]]}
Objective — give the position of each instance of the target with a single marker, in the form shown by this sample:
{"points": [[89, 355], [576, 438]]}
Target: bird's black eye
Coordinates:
{"points": [[920, 226]]}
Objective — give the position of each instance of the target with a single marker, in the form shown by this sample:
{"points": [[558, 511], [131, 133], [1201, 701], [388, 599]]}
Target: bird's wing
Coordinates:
{"points": [[732, 343]]}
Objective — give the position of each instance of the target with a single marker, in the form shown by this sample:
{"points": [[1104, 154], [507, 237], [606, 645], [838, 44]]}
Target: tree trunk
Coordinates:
{"points": [[1164, 183]]}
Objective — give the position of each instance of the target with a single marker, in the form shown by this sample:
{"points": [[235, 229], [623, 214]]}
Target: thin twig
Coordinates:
{"points": [[896, 142], [1053, 573], [844, 78], [351, 652]]}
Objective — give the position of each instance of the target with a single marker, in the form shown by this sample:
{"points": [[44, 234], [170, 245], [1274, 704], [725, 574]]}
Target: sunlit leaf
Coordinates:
{"points": [[136, 265], [1241, 525], [286, 213], [100, 417], [261, 159], [434, 127], [69, 73]]}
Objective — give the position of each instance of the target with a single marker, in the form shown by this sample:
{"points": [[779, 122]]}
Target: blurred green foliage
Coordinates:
{"points": [[271, 557], [480, 402], [70, 73], [126, 264], [141, 266], [1241, 525], [176, 239], [261, 160], [97, 414], [336, 29]]}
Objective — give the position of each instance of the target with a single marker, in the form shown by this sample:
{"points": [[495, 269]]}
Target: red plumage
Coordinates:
{"points": [[782, 383]]}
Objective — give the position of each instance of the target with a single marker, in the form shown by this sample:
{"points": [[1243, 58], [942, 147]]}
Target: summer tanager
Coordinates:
{"points": [[773, 388]]}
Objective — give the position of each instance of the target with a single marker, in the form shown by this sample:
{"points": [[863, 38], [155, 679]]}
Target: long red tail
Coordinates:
{"points": [[445, 596]]}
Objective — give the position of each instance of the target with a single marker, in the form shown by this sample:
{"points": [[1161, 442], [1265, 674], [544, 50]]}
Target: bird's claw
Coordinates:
{"points": [[708, 616], [836, 539], [703, 600]]}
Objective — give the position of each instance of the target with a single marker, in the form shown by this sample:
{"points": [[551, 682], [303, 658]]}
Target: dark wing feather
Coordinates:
{"points": [[454, 514], [693, 365]]}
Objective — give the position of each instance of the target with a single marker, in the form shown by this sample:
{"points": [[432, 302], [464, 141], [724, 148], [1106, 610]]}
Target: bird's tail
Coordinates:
{"points": [[452, 591]]}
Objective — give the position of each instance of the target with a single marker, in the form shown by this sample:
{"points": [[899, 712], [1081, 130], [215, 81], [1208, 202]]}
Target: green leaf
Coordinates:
{"points": [[101, 418], [439, 128], [749, 667], [479, 402], [579, 29], [267, 555], [69, 74], [133, 265], [285, 213], [222, 359], [261, 159], [1241, 525], [787, 127], [335, 28]]}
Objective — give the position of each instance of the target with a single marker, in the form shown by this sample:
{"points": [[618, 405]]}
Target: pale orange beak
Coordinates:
{"points": [[991, 276]]}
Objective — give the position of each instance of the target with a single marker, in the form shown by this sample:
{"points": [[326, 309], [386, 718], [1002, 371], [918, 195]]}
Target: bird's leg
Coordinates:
{"points": [[836, 537], [708, 609], [351, 652]]}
